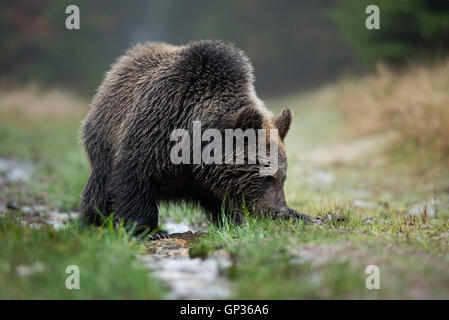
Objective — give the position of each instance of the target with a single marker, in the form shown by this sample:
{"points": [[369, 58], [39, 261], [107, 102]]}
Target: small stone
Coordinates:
{"points": [[12, 205], [318, 220], [27, 210], [40, 209], [369, 220], [335, 217], [57, 219]]}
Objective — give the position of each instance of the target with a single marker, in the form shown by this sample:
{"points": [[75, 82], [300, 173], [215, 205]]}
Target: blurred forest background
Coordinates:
{"points": [[393, 78], [294, 45]]}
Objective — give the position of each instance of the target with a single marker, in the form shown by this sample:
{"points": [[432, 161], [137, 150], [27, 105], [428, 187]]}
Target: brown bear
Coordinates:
{"points": [[154, 89]]}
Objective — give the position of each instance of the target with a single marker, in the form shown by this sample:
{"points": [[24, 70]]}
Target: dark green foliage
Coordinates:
{"points": [[36, 46], [408, 29], [292, 44]]}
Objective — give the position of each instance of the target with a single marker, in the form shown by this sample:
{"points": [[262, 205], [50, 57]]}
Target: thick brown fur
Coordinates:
{"points": [[152, 90]]}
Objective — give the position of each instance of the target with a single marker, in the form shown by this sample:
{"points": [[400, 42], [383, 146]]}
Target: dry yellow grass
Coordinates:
{"points": [[33, 103], [413, 103]]}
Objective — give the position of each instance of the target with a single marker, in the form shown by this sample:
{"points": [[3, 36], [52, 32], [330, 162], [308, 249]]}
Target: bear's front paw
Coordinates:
{"points": [[296, 215], [159, 235]]}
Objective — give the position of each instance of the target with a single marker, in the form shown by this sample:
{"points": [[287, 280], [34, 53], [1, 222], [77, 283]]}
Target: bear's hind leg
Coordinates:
{"points": [[95, 200]]}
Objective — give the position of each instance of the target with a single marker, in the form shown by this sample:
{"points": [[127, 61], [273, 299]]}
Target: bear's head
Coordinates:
{"points": [[261, 185]]}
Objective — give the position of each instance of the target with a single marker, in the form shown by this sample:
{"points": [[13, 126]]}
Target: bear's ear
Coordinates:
{"points": [[283, 122], [247, 118]]}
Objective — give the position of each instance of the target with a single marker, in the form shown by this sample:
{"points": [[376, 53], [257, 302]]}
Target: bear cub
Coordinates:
{"points": [[149, 92]]}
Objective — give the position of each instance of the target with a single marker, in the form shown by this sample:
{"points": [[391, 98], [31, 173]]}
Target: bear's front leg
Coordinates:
{"points": [[135, 203]]}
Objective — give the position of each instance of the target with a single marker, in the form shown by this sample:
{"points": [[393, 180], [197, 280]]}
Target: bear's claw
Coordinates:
{"points": [[159, 235], [294, 214]]}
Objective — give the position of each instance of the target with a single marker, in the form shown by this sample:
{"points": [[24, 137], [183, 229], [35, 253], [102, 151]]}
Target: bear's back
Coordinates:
{"points": [[169, 86]]}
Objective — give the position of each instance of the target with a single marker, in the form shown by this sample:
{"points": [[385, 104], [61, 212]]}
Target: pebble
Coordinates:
{"points": [[57, 219], [40, 209], [29, 211], [12, 205]]}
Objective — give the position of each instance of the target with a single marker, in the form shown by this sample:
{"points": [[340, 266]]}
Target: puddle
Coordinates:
{"points": [[188, 278], [173, 227]]}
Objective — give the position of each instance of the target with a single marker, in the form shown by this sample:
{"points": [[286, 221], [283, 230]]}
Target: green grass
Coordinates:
{"points": [[61, 169], [105, 258], [270, 259], [267, 261]]}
